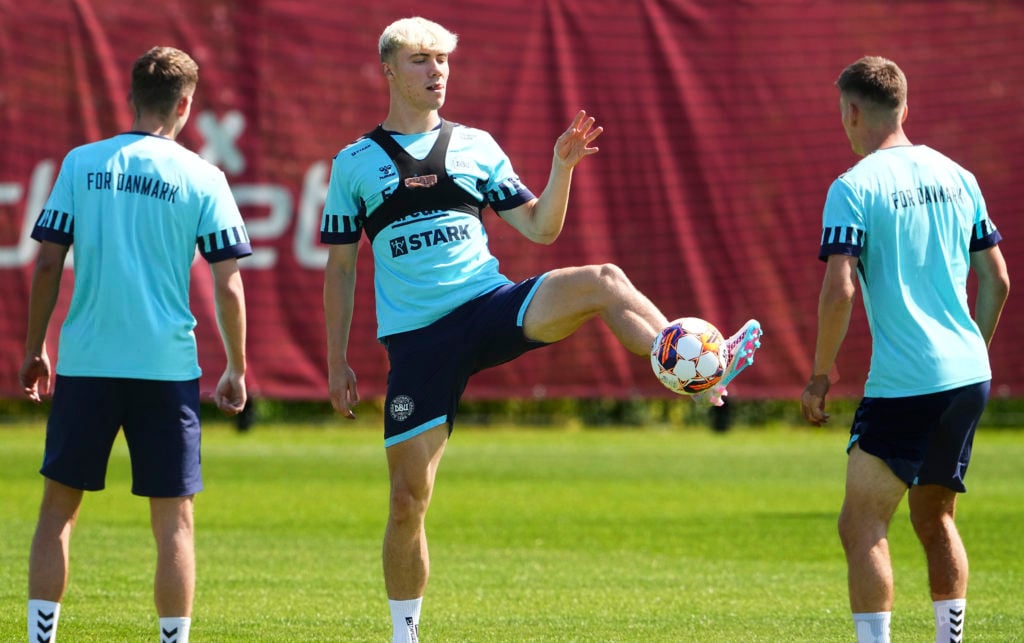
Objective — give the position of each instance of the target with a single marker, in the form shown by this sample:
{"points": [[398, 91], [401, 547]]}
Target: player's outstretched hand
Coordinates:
{"points": [[574, 143], [230, 395], [812, 402], [34, 376], [341, 383]]}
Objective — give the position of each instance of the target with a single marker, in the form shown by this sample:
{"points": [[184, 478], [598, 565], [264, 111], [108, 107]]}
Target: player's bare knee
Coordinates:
{"points": [[610, 278], [931, 526], [406, 504], [851, 530]]}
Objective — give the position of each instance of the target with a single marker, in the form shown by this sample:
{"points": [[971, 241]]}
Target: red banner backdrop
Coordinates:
{"points": [[722, 136]]}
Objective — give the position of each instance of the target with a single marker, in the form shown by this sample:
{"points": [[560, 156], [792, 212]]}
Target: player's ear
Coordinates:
{"points": [[852, 113], [184, 105], [387, 71], [906, 112]]}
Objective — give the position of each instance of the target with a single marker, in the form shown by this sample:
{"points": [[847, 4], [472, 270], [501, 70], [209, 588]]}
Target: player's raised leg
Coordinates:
{"points": [[568, 297]]}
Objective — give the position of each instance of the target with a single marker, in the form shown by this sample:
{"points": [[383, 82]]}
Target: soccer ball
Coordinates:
{"points": [[687, 356]]}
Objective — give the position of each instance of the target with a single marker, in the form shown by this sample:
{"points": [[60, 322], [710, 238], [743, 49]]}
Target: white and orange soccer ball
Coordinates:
{"points": [[687, 356]]}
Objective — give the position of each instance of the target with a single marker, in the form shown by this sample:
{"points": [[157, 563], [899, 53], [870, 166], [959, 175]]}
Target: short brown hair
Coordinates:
{"points": [[160, 77], [876, 79]]}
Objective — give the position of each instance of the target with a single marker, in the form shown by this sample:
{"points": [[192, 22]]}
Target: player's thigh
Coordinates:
{"points": [[873, 491], [951, 440], [85, 417], [163, 433], [568, 297], [413, 463]]}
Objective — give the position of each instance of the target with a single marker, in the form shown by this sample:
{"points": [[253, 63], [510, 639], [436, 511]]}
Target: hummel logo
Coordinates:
{"points": [[45, 626], [168, 636], [956, 626]]}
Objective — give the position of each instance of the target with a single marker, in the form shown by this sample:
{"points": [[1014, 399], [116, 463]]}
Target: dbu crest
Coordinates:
{"points": [[401, 407]]}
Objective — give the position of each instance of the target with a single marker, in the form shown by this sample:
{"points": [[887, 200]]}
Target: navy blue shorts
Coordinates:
{"points": [[925, 439], [431, 366], [161, 426]]}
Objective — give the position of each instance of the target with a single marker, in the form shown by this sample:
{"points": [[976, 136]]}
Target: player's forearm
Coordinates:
{"points": [[834, 311], [988, 307], [231, 319], [339, 301], [551, 206], [42, 300]]}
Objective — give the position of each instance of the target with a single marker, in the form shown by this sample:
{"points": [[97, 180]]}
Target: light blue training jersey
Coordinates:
{"points": [[913, 216], [136, 206], [430, 262]]}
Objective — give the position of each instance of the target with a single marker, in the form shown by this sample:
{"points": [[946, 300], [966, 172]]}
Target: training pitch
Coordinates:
{"points": [[652, 534]]}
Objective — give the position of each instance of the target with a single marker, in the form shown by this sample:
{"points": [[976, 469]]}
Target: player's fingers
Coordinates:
{"points": [[228, 405], [340, 403]]}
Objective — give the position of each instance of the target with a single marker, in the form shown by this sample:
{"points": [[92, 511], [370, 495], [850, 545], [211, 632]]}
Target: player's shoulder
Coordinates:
{"points": [[360, 147], [194, 167], [940, 158], [471, 134], [93, 149]]}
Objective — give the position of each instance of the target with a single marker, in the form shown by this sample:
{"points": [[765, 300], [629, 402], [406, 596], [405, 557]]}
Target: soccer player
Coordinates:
{"points": [[416, 186], [135, 206], [909, 224]]}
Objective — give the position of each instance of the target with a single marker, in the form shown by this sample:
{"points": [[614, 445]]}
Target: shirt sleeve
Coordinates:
{"points": [[221, 234], [56, 222], [844, 229], [342, 221], [503, 190], [985, 235]]}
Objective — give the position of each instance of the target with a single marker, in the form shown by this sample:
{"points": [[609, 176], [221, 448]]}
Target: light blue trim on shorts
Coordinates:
{"points": [[853, 440], [411, 433], [529, 298]]}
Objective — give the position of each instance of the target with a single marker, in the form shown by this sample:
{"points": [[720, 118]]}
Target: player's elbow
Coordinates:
{"points": [[545, 238], [837, 296], [544, 231]]}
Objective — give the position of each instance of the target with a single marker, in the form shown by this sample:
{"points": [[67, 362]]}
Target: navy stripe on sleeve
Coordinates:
{"points": [[841, 240], [55, 226]]}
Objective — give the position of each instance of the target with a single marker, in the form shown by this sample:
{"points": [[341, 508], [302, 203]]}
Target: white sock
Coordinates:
{"points": [[174, 629], [872, 627], [949, 620], [42, 621], [405, 620]]}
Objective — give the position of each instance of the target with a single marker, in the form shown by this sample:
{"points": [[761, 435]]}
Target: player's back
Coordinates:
{"points": [[921, 211], [137, 204]]}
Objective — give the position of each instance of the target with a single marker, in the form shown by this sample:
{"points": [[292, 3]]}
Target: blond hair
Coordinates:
{"points": [[415, 32]]}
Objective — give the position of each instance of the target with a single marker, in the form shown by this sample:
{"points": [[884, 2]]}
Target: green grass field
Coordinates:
{"points": [[661, 534]]}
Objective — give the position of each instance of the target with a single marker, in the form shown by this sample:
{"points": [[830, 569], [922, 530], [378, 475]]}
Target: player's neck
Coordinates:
{"points": [[406, 122], [893, 139], [155, 126]]}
